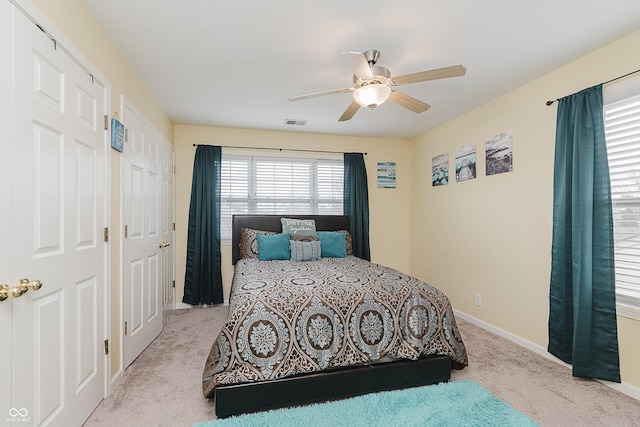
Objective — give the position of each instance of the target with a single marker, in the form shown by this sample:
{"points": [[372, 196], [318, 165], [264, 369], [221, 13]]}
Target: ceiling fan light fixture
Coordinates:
{"points": [[373, 84], [372, 95]]}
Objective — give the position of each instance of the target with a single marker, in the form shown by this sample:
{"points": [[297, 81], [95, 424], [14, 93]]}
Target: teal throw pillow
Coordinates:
{"points": [[273, 247], [333, 244]]}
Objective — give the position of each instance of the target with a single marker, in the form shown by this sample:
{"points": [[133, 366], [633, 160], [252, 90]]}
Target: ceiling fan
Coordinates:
{"points": [[373, 85]]}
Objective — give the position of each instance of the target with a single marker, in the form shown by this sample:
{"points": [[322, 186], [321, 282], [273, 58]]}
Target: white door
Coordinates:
{"points": [[6, 174], [57, 151], [142, 244], [168, 230]]}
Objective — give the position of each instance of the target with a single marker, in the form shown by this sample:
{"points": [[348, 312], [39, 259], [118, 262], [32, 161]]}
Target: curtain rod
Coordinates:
{"points": [[280, 149], [608, 81]]}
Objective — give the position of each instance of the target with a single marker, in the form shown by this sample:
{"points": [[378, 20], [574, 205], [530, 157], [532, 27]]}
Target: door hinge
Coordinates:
{"points": [[174, 226], [126, 135], [106, 234], [106, 122], [174, 168], [125, 328], [174, 283], [106, 346], [126, 231]]}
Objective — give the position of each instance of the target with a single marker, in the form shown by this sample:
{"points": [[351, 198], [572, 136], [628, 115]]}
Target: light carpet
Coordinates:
{"points": [[459, 403], [163, 386]]}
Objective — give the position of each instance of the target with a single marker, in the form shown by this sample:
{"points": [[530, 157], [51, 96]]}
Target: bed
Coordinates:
{"points": [[333, 327]]}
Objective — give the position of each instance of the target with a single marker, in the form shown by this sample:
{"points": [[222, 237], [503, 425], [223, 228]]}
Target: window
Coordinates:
{"points": [[622, 130], [269, 185]]}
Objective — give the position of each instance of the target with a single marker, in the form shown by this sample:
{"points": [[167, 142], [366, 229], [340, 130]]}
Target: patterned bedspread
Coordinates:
{"points": [[288, 317]]}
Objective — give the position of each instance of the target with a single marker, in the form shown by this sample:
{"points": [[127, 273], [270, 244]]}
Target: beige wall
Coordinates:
{"points": [[389, 213], [492, 235], [73, 20]]}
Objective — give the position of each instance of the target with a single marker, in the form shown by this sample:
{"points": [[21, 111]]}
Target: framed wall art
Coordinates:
{"points": [[440, 170], [117, 135], [465, 162], [386, 174], [499, 153]]}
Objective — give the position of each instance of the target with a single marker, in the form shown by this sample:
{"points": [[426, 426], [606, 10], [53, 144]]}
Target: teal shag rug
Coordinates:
{"points": [[458, 403]]}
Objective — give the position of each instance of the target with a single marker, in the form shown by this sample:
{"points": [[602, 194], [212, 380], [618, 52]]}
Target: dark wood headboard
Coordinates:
{"points": [[272, 223]]}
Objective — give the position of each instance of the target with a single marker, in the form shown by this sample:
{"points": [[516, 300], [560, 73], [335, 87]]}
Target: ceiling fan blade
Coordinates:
{"points": [[349, 112], [422, 76], [357, 62], [314, 95], [408, 102]]}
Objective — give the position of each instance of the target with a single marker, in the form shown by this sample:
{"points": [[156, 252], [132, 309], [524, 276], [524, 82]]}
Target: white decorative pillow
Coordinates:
{"points": [[305, 251]]}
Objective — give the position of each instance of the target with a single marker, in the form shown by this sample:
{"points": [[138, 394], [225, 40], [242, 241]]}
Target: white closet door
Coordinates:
{"points": [[142, 243], [168, 218], [57, 151], [6, 177]]}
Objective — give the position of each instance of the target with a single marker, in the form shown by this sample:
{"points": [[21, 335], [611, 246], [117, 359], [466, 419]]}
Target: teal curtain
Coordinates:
{"points": [[582, 305], [356, 203], [203, 277]]}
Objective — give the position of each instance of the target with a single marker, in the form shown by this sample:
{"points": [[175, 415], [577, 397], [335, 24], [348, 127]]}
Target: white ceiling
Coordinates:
{"points": [[234, 63]]}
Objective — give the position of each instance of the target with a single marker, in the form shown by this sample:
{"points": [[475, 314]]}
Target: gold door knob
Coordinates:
{"points": [[163, 244], [21, 288]]}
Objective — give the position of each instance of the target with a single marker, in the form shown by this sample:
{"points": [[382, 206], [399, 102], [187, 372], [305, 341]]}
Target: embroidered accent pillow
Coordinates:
{"points": [[305, 251], [298, 227]]}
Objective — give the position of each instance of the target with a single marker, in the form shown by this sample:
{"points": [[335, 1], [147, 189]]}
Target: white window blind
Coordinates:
{"points": [[266, 185], [330, 186], [234, 189], [622, 130]]}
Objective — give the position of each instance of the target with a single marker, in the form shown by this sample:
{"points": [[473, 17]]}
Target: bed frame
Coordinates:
{"points": [[333, 384]]}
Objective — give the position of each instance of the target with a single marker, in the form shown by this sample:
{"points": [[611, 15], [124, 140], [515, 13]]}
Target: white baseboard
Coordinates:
{"points": [[115, 380], [628, 389]]}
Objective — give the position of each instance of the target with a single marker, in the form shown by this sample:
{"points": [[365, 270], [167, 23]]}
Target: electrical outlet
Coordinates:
{"points": [[477, 300]]}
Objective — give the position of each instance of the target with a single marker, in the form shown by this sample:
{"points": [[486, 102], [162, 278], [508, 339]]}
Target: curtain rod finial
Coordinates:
{"points": [[550, 102]]}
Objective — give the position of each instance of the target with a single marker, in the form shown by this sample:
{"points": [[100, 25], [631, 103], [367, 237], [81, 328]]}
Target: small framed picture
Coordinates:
{"points": [[117, 135], [386, 174], [499, 153], [465, 162], [440, 170]]}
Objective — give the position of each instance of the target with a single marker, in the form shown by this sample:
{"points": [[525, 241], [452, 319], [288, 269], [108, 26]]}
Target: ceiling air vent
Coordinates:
{"points": [[294, 122]]}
